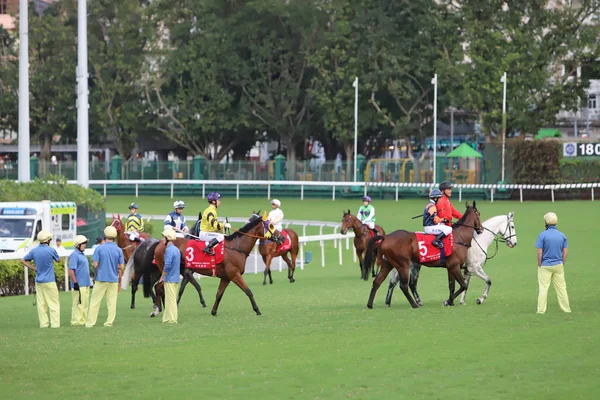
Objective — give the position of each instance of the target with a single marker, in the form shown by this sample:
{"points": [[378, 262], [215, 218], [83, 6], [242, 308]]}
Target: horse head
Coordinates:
{"points": [[348, 221], [510, 234], [472, 217], [270, 232], [117, 224]]}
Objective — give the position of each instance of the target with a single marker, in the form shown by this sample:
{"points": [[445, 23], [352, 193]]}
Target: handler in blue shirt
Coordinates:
{"points": [[79, 272], [108, 262], [170, 276], [46, 291], [551, 256]]}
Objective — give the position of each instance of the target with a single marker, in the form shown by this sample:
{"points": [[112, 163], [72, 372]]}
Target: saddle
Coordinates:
{"points": [[428, 252]]}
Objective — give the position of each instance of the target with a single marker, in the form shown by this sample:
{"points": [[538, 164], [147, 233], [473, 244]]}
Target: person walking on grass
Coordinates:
{"points": [[108, 262], [46, 291], [170, 276], [551, 257]]}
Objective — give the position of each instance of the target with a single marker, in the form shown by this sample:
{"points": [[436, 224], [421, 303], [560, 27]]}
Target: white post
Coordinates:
{"points": [[83, 142], [322, 254], [434, 82], [67, 286], [301, 255], [503, 80], [24, 172], [340, 251], [26, 278], [355, 85]]}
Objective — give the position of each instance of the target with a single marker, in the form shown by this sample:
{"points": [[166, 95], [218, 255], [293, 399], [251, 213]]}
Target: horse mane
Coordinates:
{"points": [[244, 229], [461, 221]]}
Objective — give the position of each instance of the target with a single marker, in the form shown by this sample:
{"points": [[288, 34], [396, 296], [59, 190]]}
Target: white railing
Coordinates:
{"points": [[492, 188], [250, 264]]}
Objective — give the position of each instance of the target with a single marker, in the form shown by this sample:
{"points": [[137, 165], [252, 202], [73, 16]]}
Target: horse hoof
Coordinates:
{"points": [[132, 307], [479, 301], [415, 305], [264, 283], [445, 303], [258, 313], [203, 305], [370, 306], [388, 305], [292, 280], [420, 303], [213, 313], [270, 283]]}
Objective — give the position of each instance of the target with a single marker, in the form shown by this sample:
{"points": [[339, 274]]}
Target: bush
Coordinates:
{"points": [[580, 170], [537, 162]]}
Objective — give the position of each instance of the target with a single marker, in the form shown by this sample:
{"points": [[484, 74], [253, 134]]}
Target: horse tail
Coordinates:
{"points": [[126, 278], [147, 269], [369, 255]]}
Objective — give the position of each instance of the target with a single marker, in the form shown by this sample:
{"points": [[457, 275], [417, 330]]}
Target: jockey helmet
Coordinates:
{"points": [[445, 185], [550, 218], [79, 239], [110, 232], [276, 202], [366, 198], [179, 204], [44, 236], [435, 194], [133, 205], [169, 234], [214, 196]]}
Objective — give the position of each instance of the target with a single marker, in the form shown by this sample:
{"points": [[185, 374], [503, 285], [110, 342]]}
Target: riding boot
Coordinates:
{"points": [[437, 242], [208, 249]]}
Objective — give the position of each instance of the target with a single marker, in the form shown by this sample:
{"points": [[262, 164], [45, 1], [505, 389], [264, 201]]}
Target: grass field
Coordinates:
{"points": [[316, 338]]}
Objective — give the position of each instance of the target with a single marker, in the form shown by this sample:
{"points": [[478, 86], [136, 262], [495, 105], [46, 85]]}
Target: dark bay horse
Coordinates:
{"points": [[238, 247], [269, 249], [128, 246], [362, 235], [400, 248]]}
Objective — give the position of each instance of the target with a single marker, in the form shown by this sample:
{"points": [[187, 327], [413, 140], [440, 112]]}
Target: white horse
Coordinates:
{"points": [[477, 256]]}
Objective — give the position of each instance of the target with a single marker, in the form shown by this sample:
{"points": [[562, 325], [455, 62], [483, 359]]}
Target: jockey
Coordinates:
{"points": [[209, 226], [176, 220], [366, 214], [445, 208], [432, 222], [276, 215], [135, 224]]}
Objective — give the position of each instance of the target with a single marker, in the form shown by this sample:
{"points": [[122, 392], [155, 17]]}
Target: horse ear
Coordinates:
{"points": [[467, 204], [474, 204], [264, 217], [119, 216], [348, 211]]}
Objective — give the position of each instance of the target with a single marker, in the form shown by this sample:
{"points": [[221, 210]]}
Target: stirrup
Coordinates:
{"points": [[209, 251]]}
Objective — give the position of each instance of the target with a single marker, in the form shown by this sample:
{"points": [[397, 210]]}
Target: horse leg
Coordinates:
{"points": [[415, 270], [158, 301], [267, 259], [239, 281], [291, 266], [134, 288], [394, 278], [184, 282], [195, 284], [488, 283], [359, 254], [385, 270], [454, 275], [222, 286], [467, 278]]}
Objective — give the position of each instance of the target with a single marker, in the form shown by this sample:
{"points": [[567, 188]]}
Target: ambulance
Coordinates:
{"points": [[21, 221]]}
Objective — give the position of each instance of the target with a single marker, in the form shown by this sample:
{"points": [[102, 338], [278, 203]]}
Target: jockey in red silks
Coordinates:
{"points": [[445, 209], [432, 223]]}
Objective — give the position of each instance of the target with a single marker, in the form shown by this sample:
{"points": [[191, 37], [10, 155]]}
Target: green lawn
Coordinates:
{"points": [[316, 338]]}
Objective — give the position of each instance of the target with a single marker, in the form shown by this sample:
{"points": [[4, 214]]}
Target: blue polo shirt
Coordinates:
{"points": [[172, 263], [79, 263], [552, 242], [44, 257], [108, 256]]}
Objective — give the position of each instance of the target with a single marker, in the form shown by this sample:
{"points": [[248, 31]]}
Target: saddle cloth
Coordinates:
{"points": [[195, 258], [428, 252]]}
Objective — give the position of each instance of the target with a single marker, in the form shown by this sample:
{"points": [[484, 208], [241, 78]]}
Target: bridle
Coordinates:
{"points": [[354, 226], [479, 231], [498, 239]]}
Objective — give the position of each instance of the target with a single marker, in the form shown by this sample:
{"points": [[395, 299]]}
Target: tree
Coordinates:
{"points": [[191, 91], [9, 82]]}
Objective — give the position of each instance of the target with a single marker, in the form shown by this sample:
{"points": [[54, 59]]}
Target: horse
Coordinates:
{"points": [[269, 249], [362, 234], [401, 247], [128, 246], [477, 256], [142, 264], [231, 269]]}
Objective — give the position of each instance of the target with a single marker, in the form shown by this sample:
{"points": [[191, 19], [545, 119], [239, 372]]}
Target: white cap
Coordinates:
{"points": [[276, 202]]}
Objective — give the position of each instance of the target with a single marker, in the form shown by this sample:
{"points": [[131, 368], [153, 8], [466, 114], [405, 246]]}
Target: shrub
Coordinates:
{"points": [[537, 162]]}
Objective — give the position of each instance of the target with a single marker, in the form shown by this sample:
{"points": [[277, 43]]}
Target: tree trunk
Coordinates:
{"points": [[349, 149], [291, 160], [46, 147]]}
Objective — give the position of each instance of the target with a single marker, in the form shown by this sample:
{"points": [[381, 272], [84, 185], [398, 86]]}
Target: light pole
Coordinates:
{"points": [[503, 80], [355, 85], [83, 151], [24, 173], [434, 82]]}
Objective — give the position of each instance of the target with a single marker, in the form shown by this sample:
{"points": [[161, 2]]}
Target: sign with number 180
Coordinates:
{"points": [[581, 149]]}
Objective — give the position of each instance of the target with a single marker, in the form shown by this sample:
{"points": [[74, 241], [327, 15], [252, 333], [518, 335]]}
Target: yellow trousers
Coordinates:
{"points": [[79, 310], [46, 296], [109, 289], [170, 314], [556, 274]]}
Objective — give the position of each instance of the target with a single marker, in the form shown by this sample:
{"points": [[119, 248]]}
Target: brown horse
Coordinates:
{"points": [[128, 246], [269, 249], [362, 234], [400, 247], [238, 247]]}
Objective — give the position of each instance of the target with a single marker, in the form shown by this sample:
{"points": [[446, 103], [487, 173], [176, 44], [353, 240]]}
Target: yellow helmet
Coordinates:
{"points": [[44, 236], [79, 239], [169, 234], [550, 218], [110, 232]]}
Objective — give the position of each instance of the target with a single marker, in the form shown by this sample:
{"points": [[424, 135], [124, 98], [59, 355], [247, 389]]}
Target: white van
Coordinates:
{"points": [[21, 221]]}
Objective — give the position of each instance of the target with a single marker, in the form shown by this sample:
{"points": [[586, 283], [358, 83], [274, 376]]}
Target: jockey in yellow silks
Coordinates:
{"points": [[210, 226]]}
